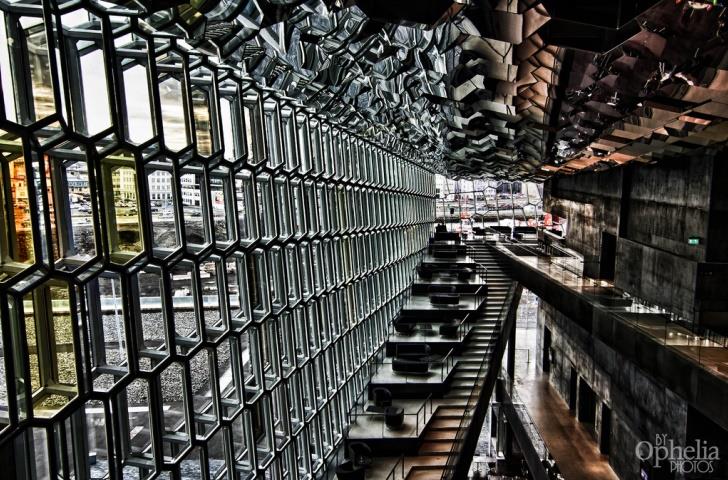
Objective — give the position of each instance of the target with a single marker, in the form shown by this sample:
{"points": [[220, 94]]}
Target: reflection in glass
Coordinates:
{"points": [[189, 305], [95, 92], [32, 63], [162, 194], [203, 126], [16, 239], [140, 127], [174, 120], [193, 188], [256, 147]]}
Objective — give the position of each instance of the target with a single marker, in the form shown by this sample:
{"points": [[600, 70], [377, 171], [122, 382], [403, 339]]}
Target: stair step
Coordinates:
{"points": [[458, 394], [462, 384], [470, 357], [441, 435], [444, 424], [450, 412], [472, 369], [479, 348], [474, 356], [435, 448], [471, 379], [429, 473]]}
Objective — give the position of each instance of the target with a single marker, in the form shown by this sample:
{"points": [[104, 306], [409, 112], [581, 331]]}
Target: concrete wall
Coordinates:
{"points": [[591, 203], [657, 276], [641, 407], [654, 209], [717, 240], [669, 202]]}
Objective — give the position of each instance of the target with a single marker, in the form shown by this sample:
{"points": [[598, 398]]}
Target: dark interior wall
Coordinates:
{"points": [[702, 431], [712, 297], [591, 203], [657, 276], [717, 240], [655, 209], [640, 406], [669, 202], [664, 204]]}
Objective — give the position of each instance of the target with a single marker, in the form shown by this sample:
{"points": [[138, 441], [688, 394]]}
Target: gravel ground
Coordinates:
{"points": [[172, 382], [153, 327], [189, 470], [3, 388]]}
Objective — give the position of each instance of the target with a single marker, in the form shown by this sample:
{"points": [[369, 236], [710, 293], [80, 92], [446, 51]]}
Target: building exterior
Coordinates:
{"points": [[160, 186]]}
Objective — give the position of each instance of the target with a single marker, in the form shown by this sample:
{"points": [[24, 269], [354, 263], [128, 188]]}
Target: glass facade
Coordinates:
{"points": [[195, 270]]}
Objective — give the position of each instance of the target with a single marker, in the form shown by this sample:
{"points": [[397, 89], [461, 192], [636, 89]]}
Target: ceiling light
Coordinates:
{"points": [[684, 78], [698, 5]]}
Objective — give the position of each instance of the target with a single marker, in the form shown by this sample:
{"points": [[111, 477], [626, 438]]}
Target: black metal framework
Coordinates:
{"points": [[195, 271]]}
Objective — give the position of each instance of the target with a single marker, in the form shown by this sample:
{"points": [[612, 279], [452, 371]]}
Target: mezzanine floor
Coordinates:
{"points": [[648, 320]]}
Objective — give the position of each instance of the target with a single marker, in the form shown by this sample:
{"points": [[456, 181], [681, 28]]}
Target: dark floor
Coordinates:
{"points": [[572, 446]]}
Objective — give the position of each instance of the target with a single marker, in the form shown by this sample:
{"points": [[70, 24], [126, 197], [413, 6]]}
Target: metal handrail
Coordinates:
{"points": [[423, 409], [447, 363], [541, 252], [353, 408], [392, 473], [420, 416], [480, 295], [516, 400], [464, 327], [482, 272]]}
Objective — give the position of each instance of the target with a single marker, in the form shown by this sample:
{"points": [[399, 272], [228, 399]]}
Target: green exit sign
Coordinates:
{"points": [[694, 241]]}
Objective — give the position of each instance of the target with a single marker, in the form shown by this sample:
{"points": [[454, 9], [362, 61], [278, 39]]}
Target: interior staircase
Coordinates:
{"points": [[440, 435]]}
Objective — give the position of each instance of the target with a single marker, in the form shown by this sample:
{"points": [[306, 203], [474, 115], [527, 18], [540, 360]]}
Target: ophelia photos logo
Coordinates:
{"points": [[694, 458]]}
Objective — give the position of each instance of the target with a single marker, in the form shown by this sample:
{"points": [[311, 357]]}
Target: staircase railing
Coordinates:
{"points": [[399, 465], [474, 397]]}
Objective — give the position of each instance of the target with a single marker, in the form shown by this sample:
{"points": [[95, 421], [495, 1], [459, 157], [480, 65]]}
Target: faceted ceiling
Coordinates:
{"points": [[502, 88]]}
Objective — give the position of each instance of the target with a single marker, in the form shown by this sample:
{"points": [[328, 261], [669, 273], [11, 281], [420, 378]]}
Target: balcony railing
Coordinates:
{"points": [[668, 325]]}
